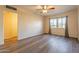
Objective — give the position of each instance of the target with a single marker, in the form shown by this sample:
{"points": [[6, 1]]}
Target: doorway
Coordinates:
{"points": [[10, 29]]}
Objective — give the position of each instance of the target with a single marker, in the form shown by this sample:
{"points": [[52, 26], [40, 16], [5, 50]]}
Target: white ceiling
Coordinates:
{"points": [[58, 8]]}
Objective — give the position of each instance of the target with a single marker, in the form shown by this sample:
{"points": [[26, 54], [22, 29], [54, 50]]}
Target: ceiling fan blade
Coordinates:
{"points": [[39, 9], [51, 8]]}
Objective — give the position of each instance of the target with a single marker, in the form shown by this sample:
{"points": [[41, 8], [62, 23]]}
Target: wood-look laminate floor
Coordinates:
{"points": [[43, 44]]}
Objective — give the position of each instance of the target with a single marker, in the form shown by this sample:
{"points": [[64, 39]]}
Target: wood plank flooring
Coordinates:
{"points": [[43, 44]]}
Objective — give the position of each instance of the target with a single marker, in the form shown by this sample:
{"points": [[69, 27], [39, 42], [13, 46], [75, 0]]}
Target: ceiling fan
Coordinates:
{"points": [[45, 8]]}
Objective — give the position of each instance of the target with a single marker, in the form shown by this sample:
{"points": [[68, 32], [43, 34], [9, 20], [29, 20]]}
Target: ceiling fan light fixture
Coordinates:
{"points": [[44, 11]]}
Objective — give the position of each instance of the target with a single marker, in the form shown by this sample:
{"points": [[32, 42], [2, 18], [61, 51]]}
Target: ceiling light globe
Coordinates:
{"points": [[44, 11]]}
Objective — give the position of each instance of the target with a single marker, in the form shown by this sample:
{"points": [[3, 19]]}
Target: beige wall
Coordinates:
{"points": [[78, 23], [1, 26], [30, 24], [72, 23], [46, 24]]}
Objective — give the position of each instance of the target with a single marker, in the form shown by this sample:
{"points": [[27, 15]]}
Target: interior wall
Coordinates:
{"points": [[1, 26], [78, 23], [30, 24], [46, 24], [72, 23], [10, 25]]}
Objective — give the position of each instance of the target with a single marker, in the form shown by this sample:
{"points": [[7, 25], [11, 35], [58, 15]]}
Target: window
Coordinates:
{"points": [[63, 21], [53, 23], [58, 22]]}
